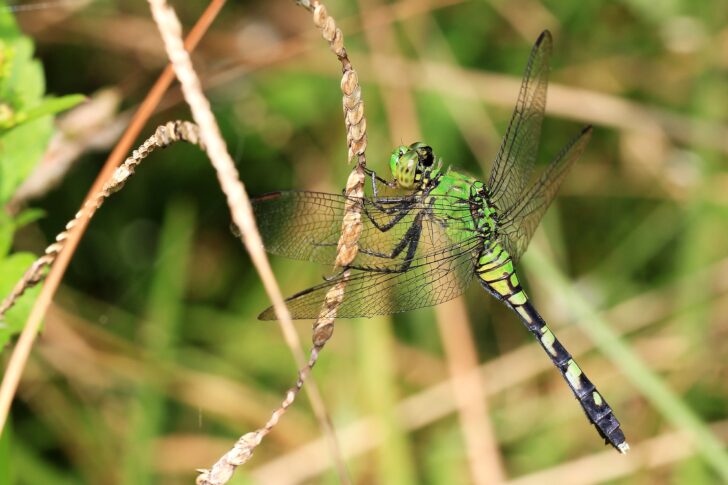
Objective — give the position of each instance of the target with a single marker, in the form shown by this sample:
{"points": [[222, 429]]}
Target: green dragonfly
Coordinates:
{"points": [[435, 230]]}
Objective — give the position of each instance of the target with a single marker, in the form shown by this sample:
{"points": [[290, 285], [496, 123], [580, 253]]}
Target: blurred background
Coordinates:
{"points": [[152, 362]]}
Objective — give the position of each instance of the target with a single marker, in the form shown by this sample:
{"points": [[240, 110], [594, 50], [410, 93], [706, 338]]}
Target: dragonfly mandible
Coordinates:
{"points": [[439, 231]]}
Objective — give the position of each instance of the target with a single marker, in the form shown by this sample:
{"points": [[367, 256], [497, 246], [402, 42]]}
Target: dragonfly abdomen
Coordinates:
{"points": [[594, 405], [495, 272]]}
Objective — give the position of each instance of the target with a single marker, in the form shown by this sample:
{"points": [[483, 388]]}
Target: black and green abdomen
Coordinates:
{"points": [[496, 273]]}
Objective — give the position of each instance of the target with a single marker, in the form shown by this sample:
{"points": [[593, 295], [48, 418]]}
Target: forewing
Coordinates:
{"points": [[514, 163], [307, 226], [517, 225], [300, 225], [431, 279]]}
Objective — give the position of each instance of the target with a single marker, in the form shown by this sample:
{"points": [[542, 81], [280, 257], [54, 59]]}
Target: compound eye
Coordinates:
{"points": [[425, 156]]}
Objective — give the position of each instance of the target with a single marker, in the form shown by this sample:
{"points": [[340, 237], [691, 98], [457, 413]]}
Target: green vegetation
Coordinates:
{"points": [[152, 362], [26, 127]]}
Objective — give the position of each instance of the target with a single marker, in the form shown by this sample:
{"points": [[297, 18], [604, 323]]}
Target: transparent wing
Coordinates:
{"points": [[431, 279], [517, 225], [307, 226], [513, 165]]}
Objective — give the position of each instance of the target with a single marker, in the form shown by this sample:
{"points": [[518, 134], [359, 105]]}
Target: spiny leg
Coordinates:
{"points": [[401, 211], [410, 240], [383, 228], [375, 178]]}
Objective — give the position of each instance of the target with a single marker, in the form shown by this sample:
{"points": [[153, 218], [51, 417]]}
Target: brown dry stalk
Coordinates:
{"points": [[323, 327], [242, 215], [22, 350], [241, 210]]}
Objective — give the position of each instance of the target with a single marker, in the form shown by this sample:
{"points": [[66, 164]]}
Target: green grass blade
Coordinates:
{"points": [[380, 395], [6, 462], [164, 312]]}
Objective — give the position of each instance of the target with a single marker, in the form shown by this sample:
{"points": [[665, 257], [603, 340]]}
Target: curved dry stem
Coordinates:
{"points": [[20, 355], [242, 212], [323, 327], [163, 136], [242, 215]]}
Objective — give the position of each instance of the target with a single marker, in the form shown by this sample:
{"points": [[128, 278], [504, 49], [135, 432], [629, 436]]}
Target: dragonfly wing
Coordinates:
{"points": [[300, 225], [307, 226], [432, 278], [514, 163], [518, 224]]}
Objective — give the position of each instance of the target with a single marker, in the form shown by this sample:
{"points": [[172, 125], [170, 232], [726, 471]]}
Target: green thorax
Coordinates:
{"points": [[416, 168]]}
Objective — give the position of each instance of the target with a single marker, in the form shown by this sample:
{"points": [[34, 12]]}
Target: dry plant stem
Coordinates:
{"points": [[356, 139], [30, 330], [163, 137], [323, 327], [469, 394], [242, 215]]}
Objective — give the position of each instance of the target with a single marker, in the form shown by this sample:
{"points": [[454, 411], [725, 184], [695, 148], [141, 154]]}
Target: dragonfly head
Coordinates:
{"points": [[413, 165]]}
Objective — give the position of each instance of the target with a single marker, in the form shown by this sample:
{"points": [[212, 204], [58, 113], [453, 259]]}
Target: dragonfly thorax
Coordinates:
{"points": [[414, 167], [482, 210]]}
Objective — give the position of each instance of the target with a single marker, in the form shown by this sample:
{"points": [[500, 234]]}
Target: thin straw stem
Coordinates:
{"points": [[242, 215]]}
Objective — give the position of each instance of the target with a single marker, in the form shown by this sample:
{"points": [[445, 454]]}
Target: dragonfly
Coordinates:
{"points": [[436, 230]]}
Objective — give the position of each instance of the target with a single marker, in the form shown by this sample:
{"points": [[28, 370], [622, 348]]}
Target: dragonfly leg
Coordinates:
{"points": [[400, 212], [376, 178], [410, 241], [334, 277]]}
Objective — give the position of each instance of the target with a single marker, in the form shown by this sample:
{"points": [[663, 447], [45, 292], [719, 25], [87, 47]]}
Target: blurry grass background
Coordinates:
{"points": [[152, 361]]}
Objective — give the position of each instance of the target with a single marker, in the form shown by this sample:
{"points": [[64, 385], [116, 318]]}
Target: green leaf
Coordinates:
{"points": [[30, 82], [7, 227], [20, 150], [28, 216], [50, 106], [8, 26], [23, 83], [12, 269], [6, 461]]}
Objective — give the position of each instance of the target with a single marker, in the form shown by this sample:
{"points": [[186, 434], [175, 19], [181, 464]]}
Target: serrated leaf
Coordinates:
{"points": [[12, 269]]}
